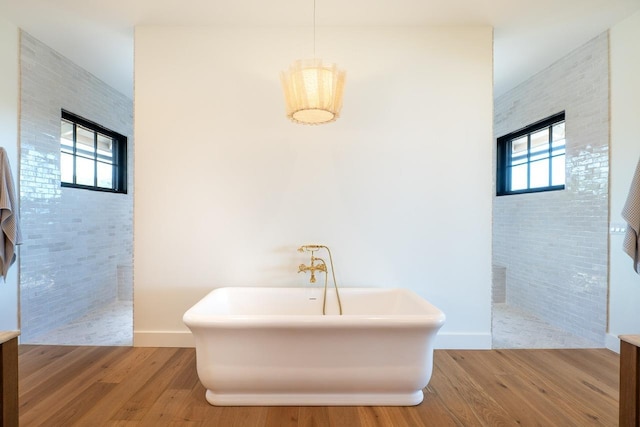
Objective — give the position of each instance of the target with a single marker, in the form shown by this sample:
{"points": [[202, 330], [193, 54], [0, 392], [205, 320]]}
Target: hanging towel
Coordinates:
{"points": [[631, 214], [10, 235]]}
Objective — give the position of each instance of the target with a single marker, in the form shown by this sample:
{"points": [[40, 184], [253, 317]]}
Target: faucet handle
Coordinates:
{"points": [[302, 268]]}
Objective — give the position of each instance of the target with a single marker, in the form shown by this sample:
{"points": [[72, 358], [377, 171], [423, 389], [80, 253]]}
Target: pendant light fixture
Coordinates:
{"points": [[312, 89]]}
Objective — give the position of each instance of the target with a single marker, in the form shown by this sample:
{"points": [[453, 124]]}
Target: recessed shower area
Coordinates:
{"points": [[76, 273], [550, 249]]}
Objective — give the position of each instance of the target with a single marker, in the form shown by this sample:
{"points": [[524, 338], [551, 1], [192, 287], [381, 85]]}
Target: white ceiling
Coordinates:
{"points": [[529, 34]]}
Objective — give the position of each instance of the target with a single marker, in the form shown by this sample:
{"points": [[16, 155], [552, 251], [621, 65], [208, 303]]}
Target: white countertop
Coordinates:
{"points": [[8, 335]]}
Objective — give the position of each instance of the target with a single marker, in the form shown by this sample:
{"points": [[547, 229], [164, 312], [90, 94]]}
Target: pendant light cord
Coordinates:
{"points": [[314, 29]]}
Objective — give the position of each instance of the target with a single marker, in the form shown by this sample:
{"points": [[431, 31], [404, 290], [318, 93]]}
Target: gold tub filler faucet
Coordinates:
{"points": [[318, 264]]}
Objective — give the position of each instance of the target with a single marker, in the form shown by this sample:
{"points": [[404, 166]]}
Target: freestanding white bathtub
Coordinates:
{"points": [[273, 346]]}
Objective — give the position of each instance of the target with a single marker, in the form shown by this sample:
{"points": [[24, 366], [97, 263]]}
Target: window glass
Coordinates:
{"points": [[532, 159], [105, 148], [539, 145], [557, 165], [519, 177], [91, 157], [558, 132], [85, 142], [105, 175], [66, 138], [66, 167], [84, 171], [539, 174], [519, 151]]}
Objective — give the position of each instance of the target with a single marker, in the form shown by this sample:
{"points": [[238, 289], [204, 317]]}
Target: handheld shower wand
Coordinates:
{"points": [[310, 248]]}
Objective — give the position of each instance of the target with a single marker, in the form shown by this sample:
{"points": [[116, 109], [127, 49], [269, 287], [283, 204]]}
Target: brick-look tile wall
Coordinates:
{"points": [[74, 240], [554, 244]]}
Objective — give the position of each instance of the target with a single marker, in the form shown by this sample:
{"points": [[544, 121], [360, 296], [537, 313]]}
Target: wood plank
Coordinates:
{"points": [[588, 395], [69, 413], [575, 397], [127, 367], [49, 380], [168, 410], [187, 378], [129, 385], [344, 416], [51, 368], [198, 409], [518, 390], [141, 401], [598, 364], [282, 416], [399, 416], [159, 387], [433, 411], [73, 387], [238, 416], [38, 357], [474, 406], [373, 416]]}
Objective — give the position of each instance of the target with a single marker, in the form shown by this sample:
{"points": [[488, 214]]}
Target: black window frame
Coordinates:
{"points": [[503, 176], [119, 165]]}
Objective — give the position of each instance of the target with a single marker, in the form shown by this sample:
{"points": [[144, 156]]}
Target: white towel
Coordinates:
{"points": [[10, 235], [631, 214]]}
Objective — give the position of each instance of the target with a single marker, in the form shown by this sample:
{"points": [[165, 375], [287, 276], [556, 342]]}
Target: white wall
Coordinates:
{"points": [[624, 283], [9, 86], [399, 187]]}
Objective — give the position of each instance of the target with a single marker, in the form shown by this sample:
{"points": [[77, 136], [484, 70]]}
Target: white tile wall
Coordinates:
{"points": [[74, 240], [554, 244]]}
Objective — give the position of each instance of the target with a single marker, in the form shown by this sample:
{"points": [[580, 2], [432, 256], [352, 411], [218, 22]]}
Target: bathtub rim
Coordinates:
{"points": [[196, 320]]}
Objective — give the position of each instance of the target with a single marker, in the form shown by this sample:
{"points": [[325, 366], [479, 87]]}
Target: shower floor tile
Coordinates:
{"points": [[112, 325], [516, 328]]}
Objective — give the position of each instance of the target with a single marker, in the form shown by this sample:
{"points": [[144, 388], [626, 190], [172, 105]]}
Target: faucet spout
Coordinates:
{"points": [[322, 267]]}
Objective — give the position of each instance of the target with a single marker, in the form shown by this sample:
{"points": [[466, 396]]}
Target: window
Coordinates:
{"points": [[92, 157], [532, 159]]}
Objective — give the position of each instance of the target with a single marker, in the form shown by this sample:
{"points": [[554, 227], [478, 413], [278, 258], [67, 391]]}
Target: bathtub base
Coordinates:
{"points": [[315, 399]]}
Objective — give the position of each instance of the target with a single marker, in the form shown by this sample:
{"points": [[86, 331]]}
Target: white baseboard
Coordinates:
{"points": [[462, 341], [451, 341], [163, 339], [612, 342]]}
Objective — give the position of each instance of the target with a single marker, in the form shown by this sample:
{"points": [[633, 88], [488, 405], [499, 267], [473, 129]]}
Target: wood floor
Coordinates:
{"points": [[124, 386]]}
